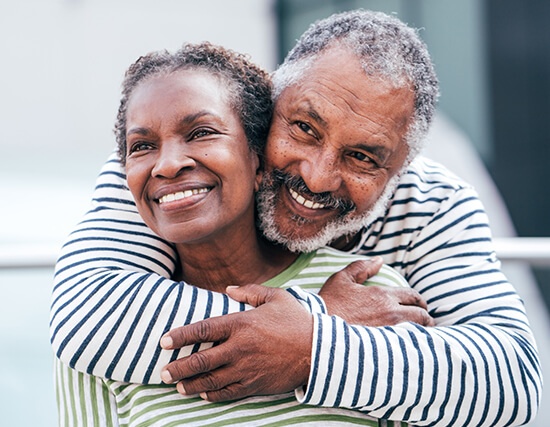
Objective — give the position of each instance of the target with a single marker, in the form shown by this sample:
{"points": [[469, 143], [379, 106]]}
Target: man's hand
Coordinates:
{"points": [[266, 350], [345, 296]]}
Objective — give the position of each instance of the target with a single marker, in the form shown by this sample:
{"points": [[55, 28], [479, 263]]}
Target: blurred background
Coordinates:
{"points": [[62, 63]]}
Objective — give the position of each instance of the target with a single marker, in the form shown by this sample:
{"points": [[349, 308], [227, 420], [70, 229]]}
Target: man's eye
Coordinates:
{"points": [[305, 128], [362, 157]]}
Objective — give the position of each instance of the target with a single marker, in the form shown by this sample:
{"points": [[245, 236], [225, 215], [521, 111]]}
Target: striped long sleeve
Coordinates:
{"points": [[479, 366], [112, 300]]}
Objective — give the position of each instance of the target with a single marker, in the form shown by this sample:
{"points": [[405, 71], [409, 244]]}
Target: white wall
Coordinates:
{"points": [[62, 65]]}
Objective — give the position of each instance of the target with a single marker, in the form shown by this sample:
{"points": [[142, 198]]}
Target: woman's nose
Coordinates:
{"points": [[173, 158]]}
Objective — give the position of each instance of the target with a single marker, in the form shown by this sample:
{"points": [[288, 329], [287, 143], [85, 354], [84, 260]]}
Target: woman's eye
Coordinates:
{"points": [[199, 133], [139, 146]]}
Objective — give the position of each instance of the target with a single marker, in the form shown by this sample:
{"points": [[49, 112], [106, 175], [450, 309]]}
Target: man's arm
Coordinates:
{"points": [[112, 300], [478, 366]]}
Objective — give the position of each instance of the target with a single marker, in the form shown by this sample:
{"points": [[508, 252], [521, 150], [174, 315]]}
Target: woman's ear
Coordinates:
{"points": [[258, 163], [258, 179]]}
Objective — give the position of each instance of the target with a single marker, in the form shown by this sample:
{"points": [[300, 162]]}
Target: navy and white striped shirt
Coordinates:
{"points": [[478, 366]]}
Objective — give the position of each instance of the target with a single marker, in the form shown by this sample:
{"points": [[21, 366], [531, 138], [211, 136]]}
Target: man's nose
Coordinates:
{"points": [[321, 173], [173, 158]]}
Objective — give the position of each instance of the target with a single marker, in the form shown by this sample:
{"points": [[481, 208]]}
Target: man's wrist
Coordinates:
{"points": [[311, 302]]}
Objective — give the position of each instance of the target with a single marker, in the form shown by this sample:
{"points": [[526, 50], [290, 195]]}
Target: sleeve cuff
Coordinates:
{"points": [[311, 302]]}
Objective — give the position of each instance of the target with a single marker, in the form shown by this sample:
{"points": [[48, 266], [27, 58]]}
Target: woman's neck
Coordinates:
{"points": [[218, 264]]}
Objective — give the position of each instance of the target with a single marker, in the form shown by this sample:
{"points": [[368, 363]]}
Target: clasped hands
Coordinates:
{"points": [[267, 350]]}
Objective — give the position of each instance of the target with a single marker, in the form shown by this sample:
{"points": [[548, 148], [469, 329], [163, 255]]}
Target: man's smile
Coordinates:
{"points": [[305, 202]]}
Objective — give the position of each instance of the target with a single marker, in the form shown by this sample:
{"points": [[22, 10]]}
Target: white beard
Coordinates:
{"points": [[345, 225]]}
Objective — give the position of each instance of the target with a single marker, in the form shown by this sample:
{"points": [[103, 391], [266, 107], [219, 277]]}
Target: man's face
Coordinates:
{"points": [[336, 141]]}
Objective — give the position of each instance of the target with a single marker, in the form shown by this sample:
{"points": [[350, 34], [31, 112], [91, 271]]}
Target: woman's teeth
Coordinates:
{"points": [[182, 195]]}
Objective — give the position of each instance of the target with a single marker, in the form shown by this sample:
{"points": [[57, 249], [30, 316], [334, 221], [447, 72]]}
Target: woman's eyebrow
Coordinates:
{"points": [[189, 118], [138, 130]]}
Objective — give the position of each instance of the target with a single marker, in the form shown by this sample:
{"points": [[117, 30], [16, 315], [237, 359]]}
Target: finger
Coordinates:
{"points": [[209, 330], [417, 315], [361, 271], [197, 363], [231, 392], [408, 296], [218, 379], [253, 295]]}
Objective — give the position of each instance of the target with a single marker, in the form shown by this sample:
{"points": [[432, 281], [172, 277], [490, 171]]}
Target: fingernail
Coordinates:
{"points": [[166, 377], [166, 342], [181, 389], [231, 287], [377, 258]]}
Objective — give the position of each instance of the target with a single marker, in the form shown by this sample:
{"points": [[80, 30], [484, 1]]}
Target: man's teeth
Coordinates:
{"points": [[307, 203], [182, 195]]}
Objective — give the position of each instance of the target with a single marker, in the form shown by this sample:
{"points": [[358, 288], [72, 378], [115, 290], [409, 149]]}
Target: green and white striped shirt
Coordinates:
{"points": [[85, 399]]}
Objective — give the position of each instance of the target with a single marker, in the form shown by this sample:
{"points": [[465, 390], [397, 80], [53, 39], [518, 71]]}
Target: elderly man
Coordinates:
{"points": [[354, 100]]}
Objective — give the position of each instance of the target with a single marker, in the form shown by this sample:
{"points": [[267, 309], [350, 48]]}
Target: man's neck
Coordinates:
{"points": [[347, 242]]}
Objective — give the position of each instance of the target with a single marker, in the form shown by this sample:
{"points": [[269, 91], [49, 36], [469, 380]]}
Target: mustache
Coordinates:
{"points": [[277, 178]]}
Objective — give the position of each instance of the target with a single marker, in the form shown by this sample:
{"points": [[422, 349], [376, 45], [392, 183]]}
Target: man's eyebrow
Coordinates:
{"points": [[315, 116], [310, 110], [380, 151]]}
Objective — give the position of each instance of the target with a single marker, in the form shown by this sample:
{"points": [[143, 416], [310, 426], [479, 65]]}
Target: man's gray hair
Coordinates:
{"points": [[386, 47]]}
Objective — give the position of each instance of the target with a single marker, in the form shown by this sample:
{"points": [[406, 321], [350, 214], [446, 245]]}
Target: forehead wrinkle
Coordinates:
{"points": [[379, 129], [335, 95], [376, 130]]}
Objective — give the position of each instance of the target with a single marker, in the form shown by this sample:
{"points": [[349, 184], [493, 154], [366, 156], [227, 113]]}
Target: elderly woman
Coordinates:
{"points": [[191, 128]]}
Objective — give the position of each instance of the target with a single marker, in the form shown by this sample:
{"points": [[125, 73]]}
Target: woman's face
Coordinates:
{"points": [[188, 163]]}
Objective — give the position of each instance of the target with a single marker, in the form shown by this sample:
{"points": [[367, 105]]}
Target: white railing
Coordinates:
{"points": [[28, 256], [532, 250]]}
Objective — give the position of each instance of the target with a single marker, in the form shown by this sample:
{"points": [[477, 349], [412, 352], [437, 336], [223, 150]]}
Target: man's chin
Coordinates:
{"points": [[299, 234], [279, 224]]}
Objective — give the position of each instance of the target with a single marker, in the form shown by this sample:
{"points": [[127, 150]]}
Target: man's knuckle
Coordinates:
{"points": [[203, 331], [209, 382], [377, 292], [176, 371], [231, 392], [427, 320], [394, 318], [199, 362]]}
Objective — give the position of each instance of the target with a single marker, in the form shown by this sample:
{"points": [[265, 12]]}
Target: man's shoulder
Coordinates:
{"points": [[423, 189], [426, 193], [426, 174]]}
